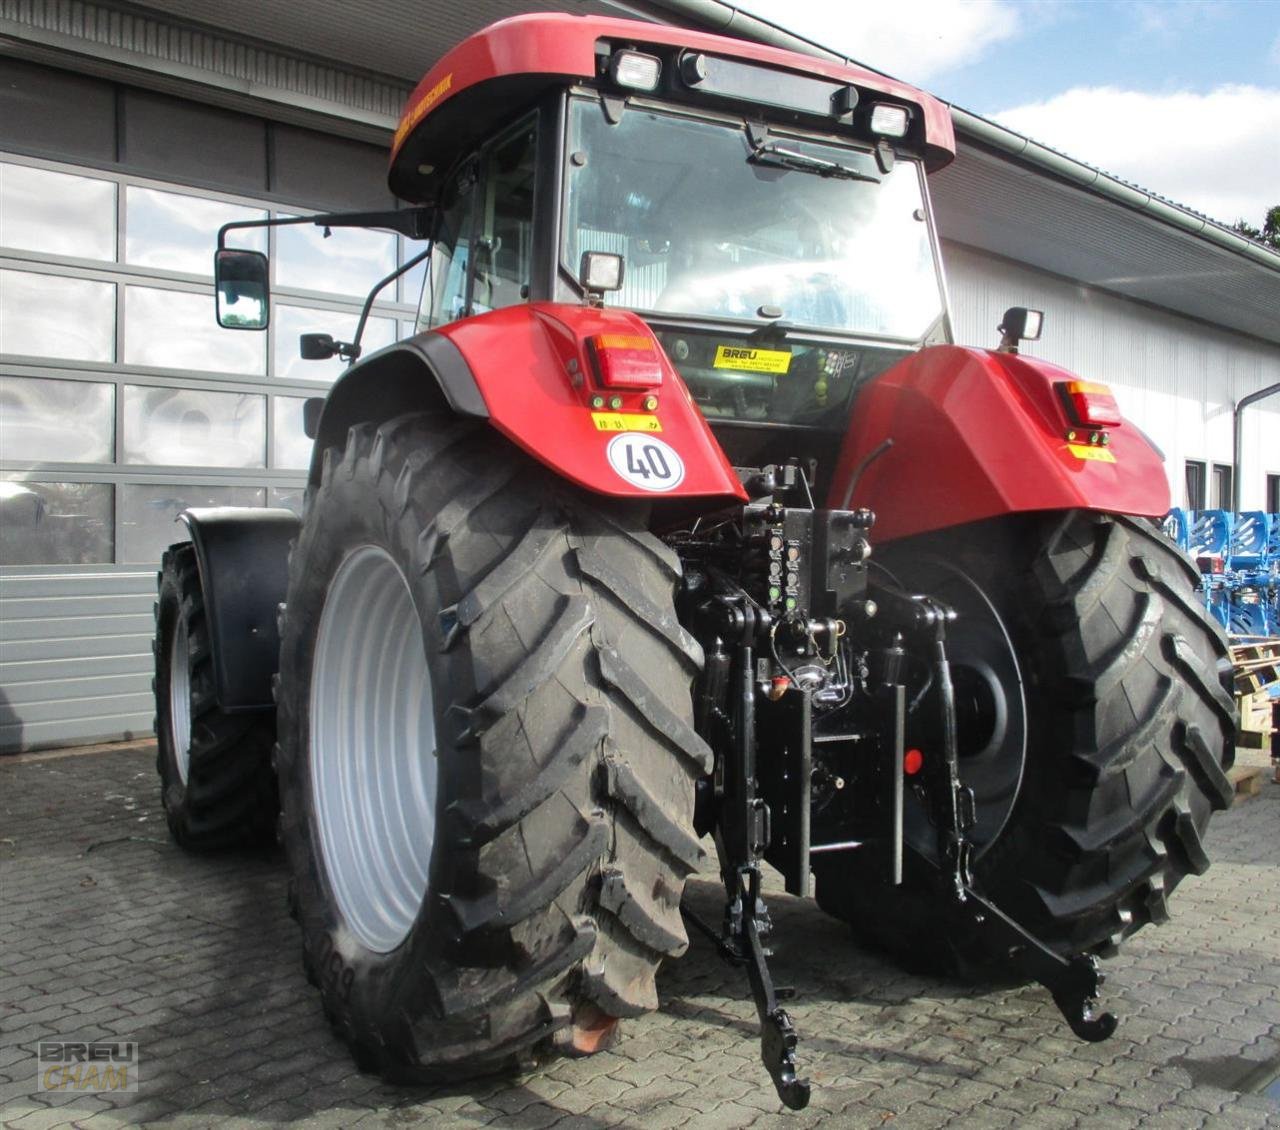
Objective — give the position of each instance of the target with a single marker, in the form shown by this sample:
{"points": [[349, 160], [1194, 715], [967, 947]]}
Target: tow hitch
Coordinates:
{"points": [[747, 830]]}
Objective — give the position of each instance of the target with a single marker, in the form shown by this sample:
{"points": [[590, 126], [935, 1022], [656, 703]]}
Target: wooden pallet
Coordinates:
{"points": [[1257, 690], [1256, 661], [1247, 648], [1248, 776], [1247, 781]]}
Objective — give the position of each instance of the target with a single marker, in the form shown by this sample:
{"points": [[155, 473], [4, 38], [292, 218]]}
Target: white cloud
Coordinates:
{"points": [[1217, 152], [914, 40]]}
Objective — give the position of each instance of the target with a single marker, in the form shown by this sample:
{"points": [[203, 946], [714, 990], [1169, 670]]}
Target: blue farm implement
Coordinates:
{"points": [[1238, 555]]}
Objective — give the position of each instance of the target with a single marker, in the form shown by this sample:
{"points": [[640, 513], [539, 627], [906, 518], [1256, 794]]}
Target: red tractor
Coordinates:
{"points": [[680, 518]]}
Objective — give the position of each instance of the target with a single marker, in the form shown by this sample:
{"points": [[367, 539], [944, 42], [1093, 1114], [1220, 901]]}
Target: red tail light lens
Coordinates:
{"points": [[626, 361], [1090, 405]]}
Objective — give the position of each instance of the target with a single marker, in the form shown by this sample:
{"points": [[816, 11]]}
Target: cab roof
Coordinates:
{"points": [[503, 68]]}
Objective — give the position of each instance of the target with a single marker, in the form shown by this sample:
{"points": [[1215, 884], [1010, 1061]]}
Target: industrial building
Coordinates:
{"points": [[130, 132]]}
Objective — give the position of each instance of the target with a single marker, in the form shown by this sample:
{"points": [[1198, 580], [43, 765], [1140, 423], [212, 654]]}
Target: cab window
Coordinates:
{"points": [[482, 256]]}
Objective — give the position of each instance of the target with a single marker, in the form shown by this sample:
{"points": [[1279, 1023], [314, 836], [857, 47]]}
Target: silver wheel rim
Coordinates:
{"points": [[180, 697], [372, 749]]}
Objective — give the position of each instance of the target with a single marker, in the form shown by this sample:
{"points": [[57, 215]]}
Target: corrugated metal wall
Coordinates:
{"points": [[1177, 378], [75, 656]]}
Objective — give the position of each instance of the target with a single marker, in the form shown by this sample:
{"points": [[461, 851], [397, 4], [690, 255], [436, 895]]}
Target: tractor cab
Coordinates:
{"points": [[772, 227]]}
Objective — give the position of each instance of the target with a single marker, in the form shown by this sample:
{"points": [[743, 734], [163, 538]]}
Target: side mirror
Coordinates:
{"points": [[243, 289], [1019, 324], [317, 347], [320, 347]]}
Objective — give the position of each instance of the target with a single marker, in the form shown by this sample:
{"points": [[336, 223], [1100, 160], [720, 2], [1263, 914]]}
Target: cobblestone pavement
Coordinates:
{"points": [[108, 931]]}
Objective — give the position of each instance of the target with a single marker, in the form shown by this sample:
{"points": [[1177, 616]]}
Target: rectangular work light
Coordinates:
{"points": [[888, 120], [635, 70]]}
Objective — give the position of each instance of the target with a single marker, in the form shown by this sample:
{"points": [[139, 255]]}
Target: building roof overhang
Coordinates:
{"points": [[1005, 195]]}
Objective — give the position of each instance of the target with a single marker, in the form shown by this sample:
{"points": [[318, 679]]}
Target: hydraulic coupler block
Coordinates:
{"points": [[814, 561]]}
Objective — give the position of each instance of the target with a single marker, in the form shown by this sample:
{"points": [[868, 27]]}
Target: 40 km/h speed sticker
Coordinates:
{"points": [[645, 461]]}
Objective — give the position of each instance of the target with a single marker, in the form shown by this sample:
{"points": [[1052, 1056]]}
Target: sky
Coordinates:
{"points": [[1181, 97]]}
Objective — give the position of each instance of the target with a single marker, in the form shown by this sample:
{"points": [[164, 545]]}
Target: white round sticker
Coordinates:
{"points": [[645, 462]]}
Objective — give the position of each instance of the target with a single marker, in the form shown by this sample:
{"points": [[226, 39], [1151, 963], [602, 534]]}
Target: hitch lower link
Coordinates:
{"points": [[1074, 982], [746, 924], [742, 837]]}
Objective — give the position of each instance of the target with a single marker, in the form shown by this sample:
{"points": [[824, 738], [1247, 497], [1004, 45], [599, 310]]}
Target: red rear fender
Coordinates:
{"points": [[540, 369], [977, 434]]}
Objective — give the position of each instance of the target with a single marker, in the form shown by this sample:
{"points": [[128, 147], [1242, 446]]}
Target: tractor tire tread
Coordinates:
{"points": [[529, 636], [229, 799]]}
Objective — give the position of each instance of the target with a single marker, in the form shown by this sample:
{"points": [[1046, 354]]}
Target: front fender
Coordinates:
{"points": [[977, 434], [243, 557]]}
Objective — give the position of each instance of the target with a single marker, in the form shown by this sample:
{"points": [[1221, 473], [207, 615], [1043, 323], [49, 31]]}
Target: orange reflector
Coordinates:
{"points": [[626, 360], [1089, 404], [912, 762]]}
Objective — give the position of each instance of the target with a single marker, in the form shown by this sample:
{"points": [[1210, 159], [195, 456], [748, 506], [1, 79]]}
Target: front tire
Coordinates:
{"points": [[215, 771], [1128, 733], [486, 753]]}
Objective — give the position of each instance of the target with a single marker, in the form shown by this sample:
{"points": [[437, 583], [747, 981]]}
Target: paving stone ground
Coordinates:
{"points": [[109, 931]]}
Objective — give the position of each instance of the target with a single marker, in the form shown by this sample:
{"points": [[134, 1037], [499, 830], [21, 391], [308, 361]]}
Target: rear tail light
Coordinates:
{"points": [[1090, 405], [626, 361]]}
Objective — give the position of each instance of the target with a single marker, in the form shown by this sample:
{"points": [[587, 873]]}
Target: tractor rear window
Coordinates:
{"points": [[773, 380], [711, 226]]}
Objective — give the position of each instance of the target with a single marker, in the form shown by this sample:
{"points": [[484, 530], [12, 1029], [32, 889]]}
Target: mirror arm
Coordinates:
{"points": [[368, 302], [412, 223]]}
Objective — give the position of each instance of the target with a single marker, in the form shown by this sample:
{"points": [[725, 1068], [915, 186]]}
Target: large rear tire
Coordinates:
{"points": [[215, 771], [1087, 825], [486, 756]]}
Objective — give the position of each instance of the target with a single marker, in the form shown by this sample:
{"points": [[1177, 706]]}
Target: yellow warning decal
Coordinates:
{"points": [[1101, 454], [752, 360], [625, 422]]}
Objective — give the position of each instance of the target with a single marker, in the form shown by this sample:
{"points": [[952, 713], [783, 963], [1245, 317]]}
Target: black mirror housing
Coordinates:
{"points": [[242, 289], [317, 347]]}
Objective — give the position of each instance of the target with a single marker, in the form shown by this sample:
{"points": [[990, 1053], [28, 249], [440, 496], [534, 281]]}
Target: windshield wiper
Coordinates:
{"points": [[779, 157]]}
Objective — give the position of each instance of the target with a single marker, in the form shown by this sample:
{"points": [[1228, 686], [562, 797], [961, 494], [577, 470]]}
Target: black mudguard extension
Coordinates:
{"points": [[243, 554]]}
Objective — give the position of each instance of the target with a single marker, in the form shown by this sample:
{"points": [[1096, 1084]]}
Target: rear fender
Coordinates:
{"points": [[978, 434], [531, 371], [425, 373], [243, 556]]}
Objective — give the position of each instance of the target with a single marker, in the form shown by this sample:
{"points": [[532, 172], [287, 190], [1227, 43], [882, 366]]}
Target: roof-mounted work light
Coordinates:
{"points": [[1019, 324], [635, 70], [888, 120], [601, 270]]}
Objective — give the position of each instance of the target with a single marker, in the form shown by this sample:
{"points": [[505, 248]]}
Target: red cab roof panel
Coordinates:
{"points": [[505, 66]]}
